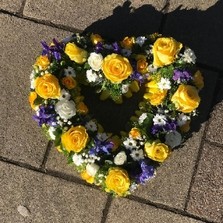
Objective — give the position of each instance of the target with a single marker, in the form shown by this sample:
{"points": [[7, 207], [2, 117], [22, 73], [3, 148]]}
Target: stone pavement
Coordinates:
{"points": [[189, 185]]}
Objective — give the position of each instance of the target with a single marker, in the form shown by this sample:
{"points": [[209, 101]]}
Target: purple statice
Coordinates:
{"points": [[147, 172], [181, 76], [54, 50], [170, 125], [138, 77], [46, 115], [101, 147], [98, 47], [116, 47]]}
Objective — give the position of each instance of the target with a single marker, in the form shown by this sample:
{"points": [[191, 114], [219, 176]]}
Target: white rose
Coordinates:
{"points": [[95, 61], [120, 158], [173, 139], [77, 159], [66, 109], [125, 88], [92, 169]]}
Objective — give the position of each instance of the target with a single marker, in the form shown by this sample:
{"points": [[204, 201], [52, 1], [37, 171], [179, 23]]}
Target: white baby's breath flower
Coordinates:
{"points": [[51, 131], [91, 76], [164, 84], [125, 88], [102, 136], [173, 139], [32, 80], [142, 117], [95, 61], [92, 169], [77, 159], [69, 72], [126, 52], [159, 119], [152, 68], [120, 158], [182, 119], [189, 56], [137, 154], [64, 95], [130, 143], [140, 40], [65, 109], [91, 126]]}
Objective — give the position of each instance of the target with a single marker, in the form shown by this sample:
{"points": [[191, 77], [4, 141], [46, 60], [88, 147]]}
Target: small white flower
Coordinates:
{"points": [[120, 158], [77, 159], [182, 119], [69, 72], [137, 154], [51, 131], [32, 80], [189, 56], [173, 139], [102, 136], [142, 117], [91, 126], [95, 61], [164, 84], [130, 143], [125, 88], [159, 119], [140, 40], [91, 76], [65, 109], [126, 52], [152, 68], [64, 95], [92, 169]]}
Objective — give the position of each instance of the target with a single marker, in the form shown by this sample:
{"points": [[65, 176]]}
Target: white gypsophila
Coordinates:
{"points": [[152, 68], [137, 154], [142, 117], [140, 40], [102, 136], [92, 76], [173, 139], [130, 143], [126, 52], [32, 80], [164, 84], [77, 159], [182, 119], [64, 95], [92, 169], [120, 158], [69, 72], [65, 109], [91, 126], [51, 131], [95, 61], [125, 88], [189, 56], [159, 119]]}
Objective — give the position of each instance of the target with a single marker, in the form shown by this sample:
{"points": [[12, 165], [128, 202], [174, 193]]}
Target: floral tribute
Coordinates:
{"points": [[163, 68]]}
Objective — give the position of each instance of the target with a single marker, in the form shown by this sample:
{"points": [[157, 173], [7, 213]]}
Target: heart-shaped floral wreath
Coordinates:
{"points": [[160, 66]]}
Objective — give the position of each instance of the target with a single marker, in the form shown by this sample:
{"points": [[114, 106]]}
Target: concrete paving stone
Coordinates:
{"points": [[19, 46], [207, 191], [171, 184], [11, 6], [124, 210], [46, 199], [200, 30], [122, 17]]}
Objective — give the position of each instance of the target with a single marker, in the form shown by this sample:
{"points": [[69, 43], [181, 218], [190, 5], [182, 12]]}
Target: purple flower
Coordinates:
{"points": [[169, 126], [101, 147], [116, 47], [138, 77], [181, 76], [54, 50], [147, 172], [98, 47], [46, 115]]}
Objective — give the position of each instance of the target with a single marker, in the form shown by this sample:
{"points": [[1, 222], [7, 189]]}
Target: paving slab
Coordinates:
{"points": [[207, 191], [172, 182], [19, 46], [200, 30], [11, 6], [48, 199], [124, 210], [113, 20]]}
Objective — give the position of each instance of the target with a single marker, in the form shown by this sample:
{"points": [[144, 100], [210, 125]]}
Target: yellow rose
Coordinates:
{"points": [[69, 82], [95, 38], [116, 68], [87, 177], [186, 98], [165, 51], [47, 86], [75, 53], [43, 62], [154, 95], [82, 108], [135, 133], [117, 181], [75, 139], [157, 151], [198, 80], [128, 42], [142, 66], [32, 98]]}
